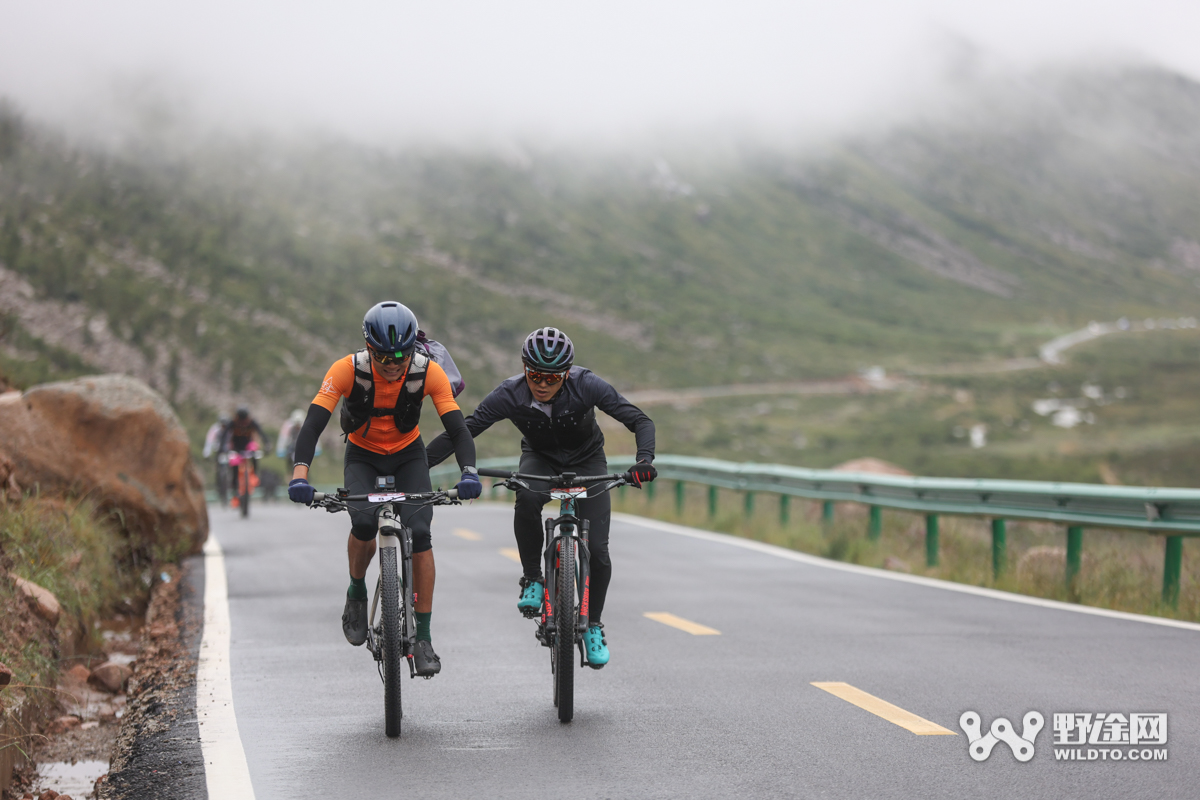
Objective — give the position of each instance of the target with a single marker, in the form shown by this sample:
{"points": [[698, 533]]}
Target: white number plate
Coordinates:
{"points": [[573, 493], [386, 498]]}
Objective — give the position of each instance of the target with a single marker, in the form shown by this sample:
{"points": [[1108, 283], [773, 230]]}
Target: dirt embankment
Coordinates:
{"points": [[100, 500]]}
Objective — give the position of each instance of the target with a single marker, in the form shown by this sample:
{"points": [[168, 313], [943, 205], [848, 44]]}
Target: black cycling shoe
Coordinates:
{"points": [[425, 660], [354, 621]]}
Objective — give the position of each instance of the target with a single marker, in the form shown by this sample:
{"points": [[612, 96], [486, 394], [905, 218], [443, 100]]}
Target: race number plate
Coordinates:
{"points": [[391, 497], [571, 493]]}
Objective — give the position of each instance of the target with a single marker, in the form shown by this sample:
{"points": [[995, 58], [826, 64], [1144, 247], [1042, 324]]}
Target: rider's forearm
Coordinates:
{"points": [[306, 442], [460, 436]]}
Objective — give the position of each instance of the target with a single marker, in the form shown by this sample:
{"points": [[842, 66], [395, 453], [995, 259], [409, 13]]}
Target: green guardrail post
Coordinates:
{"points": [[1074, 553], [999, 547], [1172, 566], [712, 502], [650, 492], [931, 540], [827, 512], [680, 488], [875, 524], [785, 509], [749, 504]]}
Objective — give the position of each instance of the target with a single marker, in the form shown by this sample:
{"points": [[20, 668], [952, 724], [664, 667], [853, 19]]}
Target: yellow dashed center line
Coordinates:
{"points": [[694, 628], [882, 708], [511, 552], [470, 536]]}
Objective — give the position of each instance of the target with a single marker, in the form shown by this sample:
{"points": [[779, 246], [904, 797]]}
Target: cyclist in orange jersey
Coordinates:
{"points": [[383, 388]]}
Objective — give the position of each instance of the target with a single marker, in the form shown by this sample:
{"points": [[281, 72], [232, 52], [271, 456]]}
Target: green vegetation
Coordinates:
{"points": [[237, 270], [1121, 570], [79, 556]]}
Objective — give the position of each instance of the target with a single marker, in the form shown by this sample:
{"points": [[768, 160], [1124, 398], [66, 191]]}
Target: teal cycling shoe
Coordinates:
{"points": [[532, 592], [596, 646]]}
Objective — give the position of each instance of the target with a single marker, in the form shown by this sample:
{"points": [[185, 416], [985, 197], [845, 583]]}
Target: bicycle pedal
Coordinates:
{"points": [[531, 613]]}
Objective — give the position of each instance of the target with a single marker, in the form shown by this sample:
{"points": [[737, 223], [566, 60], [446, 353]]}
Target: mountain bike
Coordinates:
{"points": [[243, 464], [391, 626], [564, 611]]}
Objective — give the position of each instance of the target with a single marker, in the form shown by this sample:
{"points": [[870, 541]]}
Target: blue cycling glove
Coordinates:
{"points": [[300, 492], [469, 487]]}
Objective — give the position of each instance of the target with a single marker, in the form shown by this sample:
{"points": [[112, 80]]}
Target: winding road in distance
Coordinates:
{"points": [[719, 703]]}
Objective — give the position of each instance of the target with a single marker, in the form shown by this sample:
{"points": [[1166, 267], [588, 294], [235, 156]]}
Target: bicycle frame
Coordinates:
{"points": [[567, 488], [391, 534]]}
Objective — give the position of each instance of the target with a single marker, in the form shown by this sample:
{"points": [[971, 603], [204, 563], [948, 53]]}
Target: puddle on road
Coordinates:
{"points": [[75, 779]]}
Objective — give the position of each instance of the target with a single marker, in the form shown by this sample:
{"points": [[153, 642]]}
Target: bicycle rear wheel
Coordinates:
{"points": [[393, 652], [564, 635]]}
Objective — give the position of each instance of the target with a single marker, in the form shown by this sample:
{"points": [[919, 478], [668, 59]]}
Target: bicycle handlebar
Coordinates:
{"points": [[405, 498], [565, 480]]}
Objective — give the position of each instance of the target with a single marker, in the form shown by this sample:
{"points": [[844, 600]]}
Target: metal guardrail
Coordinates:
{"points": [[1173, 513]]}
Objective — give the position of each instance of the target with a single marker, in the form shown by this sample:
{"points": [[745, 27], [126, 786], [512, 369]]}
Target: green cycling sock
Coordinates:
{"points": [[423, 626], [358, 588]]}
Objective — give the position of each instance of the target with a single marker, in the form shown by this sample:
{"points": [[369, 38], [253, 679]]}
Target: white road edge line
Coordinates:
{"points": [[225, 769], [934, 583]]}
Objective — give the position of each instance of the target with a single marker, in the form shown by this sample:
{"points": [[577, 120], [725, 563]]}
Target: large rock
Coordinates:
{"points": [[43, 600], [115, 439], [111, 677]]}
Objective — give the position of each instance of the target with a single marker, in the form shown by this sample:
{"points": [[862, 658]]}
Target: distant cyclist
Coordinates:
{"points": [[239, 433], [289, 434], [383, 387], [213, 448], [553, 404]]}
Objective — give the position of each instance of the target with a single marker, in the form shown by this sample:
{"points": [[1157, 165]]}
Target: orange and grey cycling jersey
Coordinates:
{"points": [[382, 436]]}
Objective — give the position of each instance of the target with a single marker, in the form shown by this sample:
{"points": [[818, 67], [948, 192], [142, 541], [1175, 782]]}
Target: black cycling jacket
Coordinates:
{"points": [[570, 435]]}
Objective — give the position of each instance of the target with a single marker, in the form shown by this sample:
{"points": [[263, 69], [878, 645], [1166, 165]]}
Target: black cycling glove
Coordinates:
{"points": [[643, 472]]}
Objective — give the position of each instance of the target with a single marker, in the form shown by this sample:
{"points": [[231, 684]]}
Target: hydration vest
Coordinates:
{"points": [[359, 408]]}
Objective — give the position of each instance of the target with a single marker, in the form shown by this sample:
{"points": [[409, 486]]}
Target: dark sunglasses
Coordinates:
{"points": [[547, 378], [386, 360]]}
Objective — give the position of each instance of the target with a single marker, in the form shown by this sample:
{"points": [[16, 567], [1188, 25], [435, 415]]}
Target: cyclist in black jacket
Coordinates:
{"points": [[554, 405]]}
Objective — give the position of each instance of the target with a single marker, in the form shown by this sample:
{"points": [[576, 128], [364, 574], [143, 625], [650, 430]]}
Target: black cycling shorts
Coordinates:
{"points": [[411, 471]]}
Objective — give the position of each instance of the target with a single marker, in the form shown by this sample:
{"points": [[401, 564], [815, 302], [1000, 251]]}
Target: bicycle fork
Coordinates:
{"points": [[552, 616], [392, 534]]}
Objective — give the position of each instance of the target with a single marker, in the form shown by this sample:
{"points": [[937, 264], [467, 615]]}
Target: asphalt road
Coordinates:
{"points": [[674, 714]]}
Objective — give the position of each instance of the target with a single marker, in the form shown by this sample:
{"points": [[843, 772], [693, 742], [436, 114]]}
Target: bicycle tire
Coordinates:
{"points": [[244, 491], [393, 654], [564, 637]]}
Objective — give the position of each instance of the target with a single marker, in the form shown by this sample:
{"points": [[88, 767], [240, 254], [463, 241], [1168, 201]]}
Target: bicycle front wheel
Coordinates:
{"points": [[564, 636], [244, 493], [393, 651]]}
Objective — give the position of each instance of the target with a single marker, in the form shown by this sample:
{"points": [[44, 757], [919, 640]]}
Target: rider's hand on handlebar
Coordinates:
{"points": [[642, 472], [299, 491], [469, 487]]}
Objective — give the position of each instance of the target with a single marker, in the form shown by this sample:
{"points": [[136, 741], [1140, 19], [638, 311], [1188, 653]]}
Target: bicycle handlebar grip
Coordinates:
{"points": [[488, 472], [452, 494], [318, 497]]}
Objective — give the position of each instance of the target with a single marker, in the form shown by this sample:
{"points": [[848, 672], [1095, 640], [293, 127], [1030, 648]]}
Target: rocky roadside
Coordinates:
{"points": [[157, 753]]}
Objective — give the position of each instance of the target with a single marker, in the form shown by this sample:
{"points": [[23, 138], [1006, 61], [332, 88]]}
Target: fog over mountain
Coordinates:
{"points": [[583, 72]]}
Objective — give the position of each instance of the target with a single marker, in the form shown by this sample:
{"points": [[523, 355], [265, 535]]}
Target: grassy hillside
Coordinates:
{"points": [[237, 270]]}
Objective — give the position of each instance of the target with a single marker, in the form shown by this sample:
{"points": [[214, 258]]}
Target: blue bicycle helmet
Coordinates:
{"points": [[390, 328], [548, 349]]}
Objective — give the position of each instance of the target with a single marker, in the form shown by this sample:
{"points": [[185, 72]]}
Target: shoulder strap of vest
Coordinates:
{"points": [[362, 370], [414, 382]]}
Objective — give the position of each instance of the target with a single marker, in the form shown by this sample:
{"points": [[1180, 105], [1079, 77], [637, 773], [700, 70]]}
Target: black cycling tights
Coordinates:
{"points": [[527, 524], [412, 475]]}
